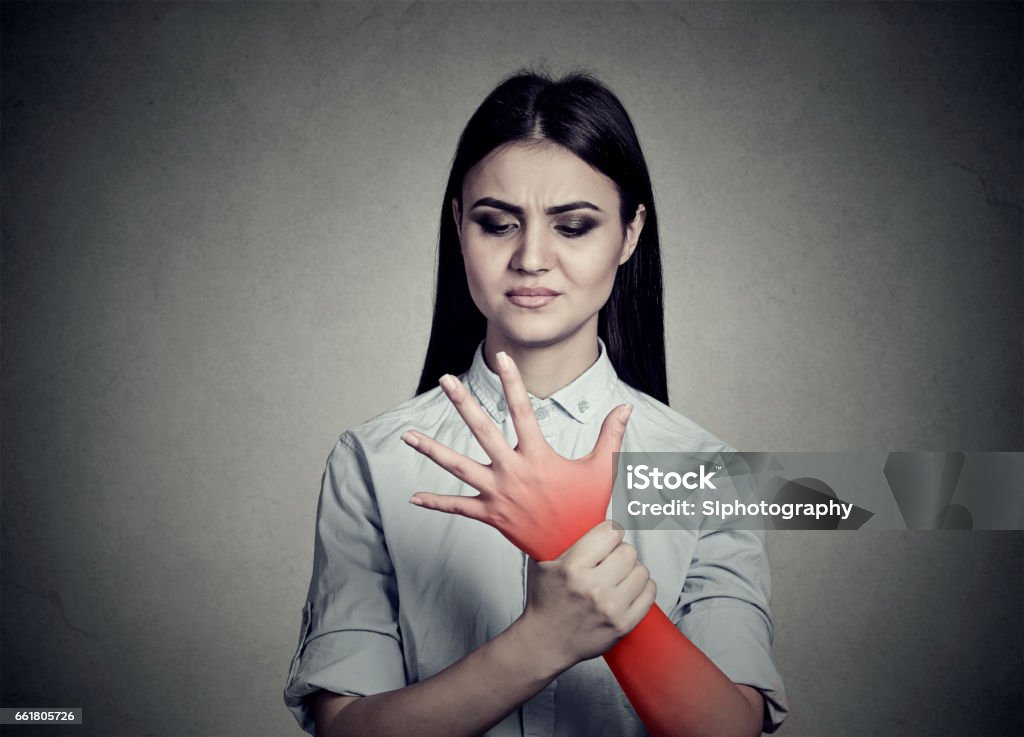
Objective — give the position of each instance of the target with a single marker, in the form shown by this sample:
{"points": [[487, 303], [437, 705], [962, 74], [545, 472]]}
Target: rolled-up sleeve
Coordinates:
{"points": [[724, 609], [349, 641]]}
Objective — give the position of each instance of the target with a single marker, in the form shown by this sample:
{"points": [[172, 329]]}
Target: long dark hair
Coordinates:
{"points": [[582, 115]]}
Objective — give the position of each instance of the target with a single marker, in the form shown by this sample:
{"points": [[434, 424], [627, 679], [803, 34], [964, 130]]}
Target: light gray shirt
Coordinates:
{"points": [[398, 592]]}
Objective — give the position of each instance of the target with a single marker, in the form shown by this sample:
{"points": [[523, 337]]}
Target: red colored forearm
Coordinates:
{"points": [[671, 684], [674, 688]]}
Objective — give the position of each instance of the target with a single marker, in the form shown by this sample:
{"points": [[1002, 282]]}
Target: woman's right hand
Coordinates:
{"points": [[583, 602]]}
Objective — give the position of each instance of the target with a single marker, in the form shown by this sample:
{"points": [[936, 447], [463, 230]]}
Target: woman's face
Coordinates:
{"points": [[542, 239]]}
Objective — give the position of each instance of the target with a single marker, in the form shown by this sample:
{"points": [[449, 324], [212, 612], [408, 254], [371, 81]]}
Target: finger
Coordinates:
{"points": [[465, 469], [642, 603], [633, 584], [594, 546], [619, 563], [468, 506], [518, 400], [612, 429], [476, 419]]}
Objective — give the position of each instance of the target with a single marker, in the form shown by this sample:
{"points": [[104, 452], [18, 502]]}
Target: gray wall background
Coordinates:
{"points": [[218, 237]]}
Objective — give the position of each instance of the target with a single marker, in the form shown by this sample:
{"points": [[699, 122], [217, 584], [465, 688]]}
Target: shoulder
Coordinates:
{"points": [[657, 426]]}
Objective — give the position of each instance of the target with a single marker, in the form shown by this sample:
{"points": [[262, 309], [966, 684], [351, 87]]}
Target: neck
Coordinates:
{"points": [[546, 369]]}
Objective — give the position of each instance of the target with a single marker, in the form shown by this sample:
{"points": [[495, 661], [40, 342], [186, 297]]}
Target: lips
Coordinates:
{"points": [[531, 297]]}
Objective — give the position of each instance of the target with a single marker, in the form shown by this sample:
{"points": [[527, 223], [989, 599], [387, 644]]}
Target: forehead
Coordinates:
{"points": [[542, 174]]}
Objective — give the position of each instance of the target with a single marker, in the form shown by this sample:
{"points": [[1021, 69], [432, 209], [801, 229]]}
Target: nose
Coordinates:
{"points": [[535, 252]]}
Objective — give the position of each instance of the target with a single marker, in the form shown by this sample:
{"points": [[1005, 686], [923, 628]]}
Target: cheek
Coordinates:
{"points": [[481, 275], [597, 274]]}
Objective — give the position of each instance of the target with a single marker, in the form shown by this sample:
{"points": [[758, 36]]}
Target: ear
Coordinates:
{"points": [[457, 216], [633, 233]]}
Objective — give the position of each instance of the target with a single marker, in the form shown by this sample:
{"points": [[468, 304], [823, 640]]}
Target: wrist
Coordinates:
{"points": [[532, 635]]}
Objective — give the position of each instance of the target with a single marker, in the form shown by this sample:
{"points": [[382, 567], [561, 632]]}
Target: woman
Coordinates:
{"points": [[420, 618]]}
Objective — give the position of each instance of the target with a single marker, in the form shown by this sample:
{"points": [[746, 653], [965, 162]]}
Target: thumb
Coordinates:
{"points": [[612, 429]]}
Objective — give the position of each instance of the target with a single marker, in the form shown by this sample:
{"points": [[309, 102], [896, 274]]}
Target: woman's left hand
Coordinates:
{"points": [[538, 499]]}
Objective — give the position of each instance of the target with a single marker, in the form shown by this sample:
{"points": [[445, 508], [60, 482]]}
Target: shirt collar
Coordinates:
{"points": [[582, 399]]}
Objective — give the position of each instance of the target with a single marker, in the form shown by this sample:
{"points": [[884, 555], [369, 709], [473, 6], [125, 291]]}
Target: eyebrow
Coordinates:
{"points": [[516, 210]]}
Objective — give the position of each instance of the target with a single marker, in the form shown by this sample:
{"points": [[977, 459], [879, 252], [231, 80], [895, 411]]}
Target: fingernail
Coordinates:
{"points": [[416, 501], [503, 359], [627, 413], [411, 439], [448, 382]]}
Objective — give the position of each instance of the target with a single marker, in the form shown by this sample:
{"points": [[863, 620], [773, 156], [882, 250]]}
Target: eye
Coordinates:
{"points": [[497, 226], [576, 227]]}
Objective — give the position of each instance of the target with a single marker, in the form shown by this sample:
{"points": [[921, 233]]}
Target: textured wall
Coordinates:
{"points": [[218, 233]]}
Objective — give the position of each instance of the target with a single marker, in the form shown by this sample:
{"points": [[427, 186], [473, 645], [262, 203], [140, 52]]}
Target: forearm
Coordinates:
{"points": [[466, 699], [674, 688]]}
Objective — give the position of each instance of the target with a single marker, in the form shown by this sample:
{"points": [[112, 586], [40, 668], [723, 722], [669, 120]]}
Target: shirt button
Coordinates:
{"points": [[542, 413], [501, 405], [584, 405]]}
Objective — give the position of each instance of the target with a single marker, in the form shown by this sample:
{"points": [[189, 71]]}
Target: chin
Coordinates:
{"points": [[532, 339], [535, 336]]}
